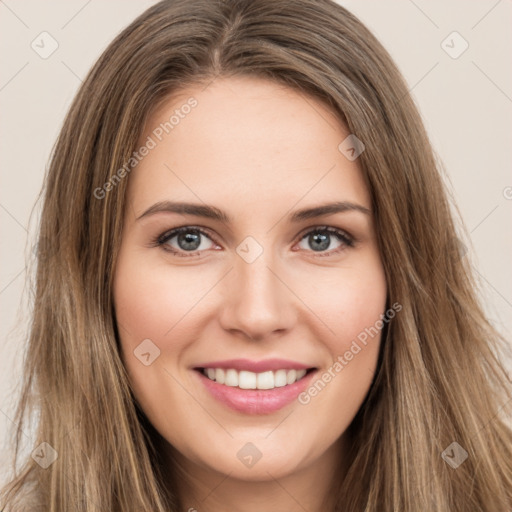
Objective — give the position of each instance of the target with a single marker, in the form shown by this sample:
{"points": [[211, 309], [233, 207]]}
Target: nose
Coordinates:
{"points": [[258, 303]]}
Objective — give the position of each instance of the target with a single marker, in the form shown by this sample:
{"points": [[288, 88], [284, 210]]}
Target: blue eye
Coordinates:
{"points": [[185, 239], [326, 239], [191, 241]]}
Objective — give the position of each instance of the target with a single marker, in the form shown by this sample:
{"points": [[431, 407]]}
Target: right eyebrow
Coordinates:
{"points": [[201, 210]]}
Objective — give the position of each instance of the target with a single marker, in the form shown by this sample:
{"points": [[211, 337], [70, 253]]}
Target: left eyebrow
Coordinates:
{"points": [[328, 209]]}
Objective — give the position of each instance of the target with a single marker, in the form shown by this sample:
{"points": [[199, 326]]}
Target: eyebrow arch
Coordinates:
{"points": [[328, 209], [211, 212]]}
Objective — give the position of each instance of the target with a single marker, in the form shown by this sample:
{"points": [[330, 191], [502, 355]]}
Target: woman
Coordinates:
{"points": [[250, 294]]}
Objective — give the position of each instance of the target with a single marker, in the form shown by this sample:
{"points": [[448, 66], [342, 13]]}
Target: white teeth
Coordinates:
{"points": [[231, 378], [246, 380], [220, 376], [265, 380], [300, 374], [251, 380], [280, 378]]}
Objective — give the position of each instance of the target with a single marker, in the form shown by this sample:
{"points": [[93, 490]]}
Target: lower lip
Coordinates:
{"points": [[256, 401]]}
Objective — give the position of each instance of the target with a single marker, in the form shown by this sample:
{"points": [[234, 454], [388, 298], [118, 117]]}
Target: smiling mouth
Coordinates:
{"points": [[244, 379]]}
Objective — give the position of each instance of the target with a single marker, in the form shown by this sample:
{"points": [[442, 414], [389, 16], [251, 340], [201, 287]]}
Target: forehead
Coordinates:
{"points": [[244, 141]]}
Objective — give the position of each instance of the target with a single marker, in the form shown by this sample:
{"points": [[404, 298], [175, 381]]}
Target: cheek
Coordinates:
{"points": [[350, 304], [152, 310], [150, 302], [347, 301]]}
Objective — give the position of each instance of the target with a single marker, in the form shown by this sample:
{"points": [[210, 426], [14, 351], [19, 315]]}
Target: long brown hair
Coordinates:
{"points": [[439, 380]]}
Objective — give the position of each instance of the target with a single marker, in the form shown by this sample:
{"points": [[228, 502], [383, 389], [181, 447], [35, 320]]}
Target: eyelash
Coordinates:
{"points": [[161, 240]]}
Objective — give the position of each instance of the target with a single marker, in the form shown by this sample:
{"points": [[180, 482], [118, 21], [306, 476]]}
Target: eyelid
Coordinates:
{"points": [[171, 233], [328, 228]]}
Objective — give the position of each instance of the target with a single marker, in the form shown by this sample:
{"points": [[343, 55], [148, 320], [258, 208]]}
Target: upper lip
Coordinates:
{"points": [[256, 366]]}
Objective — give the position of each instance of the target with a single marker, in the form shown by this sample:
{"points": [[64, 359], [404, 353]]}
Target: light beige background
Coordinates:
{"points": [[466, 103]]}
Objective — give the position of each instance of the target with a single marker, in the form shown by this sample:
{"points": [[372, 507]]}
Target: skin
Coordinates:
{"points": [[258, 151]]}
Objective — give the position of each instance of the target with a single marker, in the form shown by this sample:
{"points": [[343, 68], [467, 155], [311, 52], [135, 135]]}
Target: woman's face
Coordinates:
{"points": [[258, 287]]}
